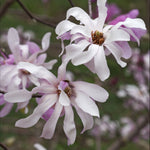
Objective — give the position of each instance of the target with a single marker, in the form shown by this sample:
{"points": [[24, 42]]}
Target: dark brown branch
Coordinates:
{"points": [[34, 18], [5, 7], [123, 141], [71, 3], [3, 146]]}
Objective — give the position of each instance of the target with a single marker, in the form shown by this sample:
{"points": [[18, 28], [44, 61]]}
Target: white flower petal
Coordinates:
{"points": [[6, 110], [39, 146], [102, 13], [79, 29], [116, 53], [85, 56], [44, 89], [47, 102], [63, 27], [18, 96], [80, 15], [49, 127], [94, 91], [46, 41], [73, 50], [87, 119], [101, 67], [117, 35], [83, 101], [69, 125], [49, 65], [37, 71], [64, 99], [13, 39]]}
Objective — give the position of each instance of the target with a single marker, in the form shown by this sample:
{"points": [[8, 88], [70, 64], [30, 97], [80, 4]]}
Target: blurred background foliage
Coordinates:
{"points": [[54, 11]]}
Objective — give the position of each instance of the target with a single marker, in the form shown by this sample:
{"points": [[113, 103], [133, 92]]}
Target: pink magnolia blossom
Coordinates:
{"points": [[14, 76], [58, 96], [91, 40]]}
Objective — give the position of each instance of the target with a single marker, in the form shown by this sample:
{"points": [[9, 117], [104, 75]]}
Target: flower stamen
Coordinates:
{"points": [[97, 37]]}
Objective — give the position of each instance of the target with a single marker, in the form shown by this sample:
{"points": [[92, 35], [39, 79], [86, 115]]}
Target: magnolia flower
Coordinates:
{"points": [[14, 76], [140, 66], [39, 146], [58, 96], [92, 40], [138, 95], [104, 126]]}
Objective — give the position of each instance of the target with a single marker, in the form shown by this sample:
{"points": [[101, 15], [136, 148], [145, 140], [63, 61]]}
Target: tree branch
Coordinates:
{"points": [[123, 141], [34, 18], [71, 3], [4, 147], [5, 7]]}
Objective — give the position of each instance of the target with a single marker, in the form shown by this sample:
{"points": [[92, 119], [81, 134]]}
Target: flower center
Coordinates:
{"points": [[25, 72], [97, 37], [66, 87]]}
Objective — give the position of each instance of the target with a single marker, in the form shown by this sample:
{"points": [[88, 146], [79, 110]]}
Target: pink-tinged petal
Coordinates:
{"points": [[132, 14], [132, 23], [47, 102], [69, 125], [49, 127], [41, 59], [73, 50], [101, 67], [6, 109], [44, 89], [37, 71], [94, 91], [62, 70], [22, 105], [85, 56], [33, 47], [117, 54], [86, 119], [34, 80], [80, 15], [63, 27], [125, 49], [13, 39], [64, 99], [133, 36], [18, 96], [116, 35], [102, 13], [65, 36], [24, 50], [24, 81], [75, 37], [46, 41], [90, 65], [83, 101], [49, 65], [112, 11]]}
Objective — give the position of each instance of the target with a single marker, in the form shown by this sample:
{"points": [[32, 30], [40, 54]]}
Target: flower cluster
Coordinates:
{"points": [[24, 73]]}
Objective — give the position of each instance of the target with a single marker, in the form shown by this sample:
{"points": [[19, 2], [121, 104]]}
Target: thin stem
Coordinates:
{"points": [[5, 7], [3, 146], [71, 3], [90, 8], [34, 18]]}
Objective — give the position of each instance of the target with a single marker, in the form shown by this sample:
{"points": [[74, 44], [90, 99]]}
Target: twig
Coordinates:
{"points": [[5, 7], [90, 8], [71, 3], [34, 18], [123, 141], [4, 147]]}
